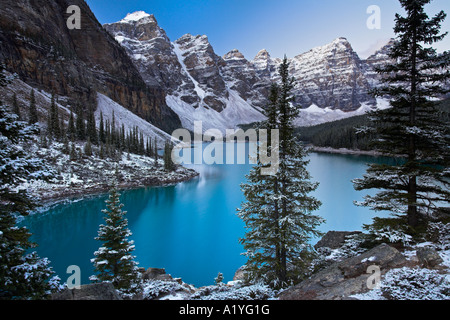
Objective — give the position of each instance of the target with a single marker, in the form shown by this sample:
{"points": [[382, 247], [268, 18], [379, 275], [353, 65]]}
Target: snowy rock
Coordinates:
{"points": [[239, 274], [156, 274], [96, 291], [334, 239], [428, 257], [345, 278]]}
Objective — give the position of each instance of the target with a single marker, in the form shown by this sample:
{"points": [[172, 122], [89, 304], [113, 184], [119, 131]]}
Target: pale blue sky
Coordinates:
{"points": [[282, 27]]}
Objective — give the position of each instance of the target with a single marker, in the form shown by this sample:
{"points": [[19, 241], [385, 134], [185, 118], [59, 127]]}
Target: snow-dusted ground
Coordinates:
{"points": [[94, 175], [415, 282]]}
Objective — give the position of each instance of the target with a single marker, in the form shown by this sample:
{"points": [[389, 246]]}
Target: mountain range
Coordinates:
{"points": [[168, 83]]}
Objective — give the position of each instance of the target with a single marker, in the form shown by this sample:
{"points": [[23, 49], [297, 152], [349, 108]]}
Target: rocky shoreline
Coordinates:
{"points": [[380, 273], [63, 193], [88, 176], [345, 151]]}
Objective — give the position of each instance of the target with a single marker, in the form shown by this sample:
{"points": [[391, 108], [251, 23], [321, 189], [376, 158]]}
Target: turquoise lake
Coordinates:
{"points": [[191, 229]]}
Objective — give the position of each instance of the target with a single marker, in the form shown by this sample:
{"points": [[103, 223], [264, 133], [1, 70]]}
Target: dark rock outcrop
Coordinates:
{"points": [[334, 239], [96, 291], [345, 278], [37, 45], [428, 257]]}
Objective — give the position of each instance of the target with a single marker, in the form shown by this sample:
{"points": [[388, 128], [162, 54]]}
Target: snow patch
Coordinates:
{"points": [[135, 16], [236, 112]]}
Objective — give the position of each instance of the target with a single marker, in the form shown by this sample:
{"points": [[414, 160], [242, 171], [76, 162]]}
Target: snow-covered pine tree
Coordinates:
{"points": [[22, 275], [416, 188], [16, 108], [91, 130], [53, 123], [32, 111], [278, 208], [169, 165], [114, 261]]}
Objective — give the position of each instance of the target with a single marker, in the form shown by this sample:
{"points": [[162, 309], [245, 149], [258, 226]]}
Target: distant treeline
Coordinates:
{"points": [[343, 133]]}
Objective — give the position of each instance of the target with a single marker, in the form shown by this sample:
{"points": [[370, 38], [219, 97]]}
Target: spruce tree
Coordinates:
{"points": [[102, 135], [71, 131], [80, 125], [91, 126], [278, 208], [53, 124], [32, 111], [114, 261], [155, 153], [23, 275], [16, 108], [88, 148], [416, 188], [169, 165]]}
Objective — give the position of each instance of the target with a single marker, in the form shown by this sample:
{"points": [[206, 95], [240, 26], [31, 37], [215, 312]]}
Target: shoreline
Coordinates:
{"points": [[346, 151], [61, 193]]}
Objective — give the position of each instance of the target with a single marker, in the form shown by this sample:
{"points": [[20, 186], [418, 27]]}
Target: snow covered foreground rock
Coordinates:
{"points": [[413, 272], [404, 275]]}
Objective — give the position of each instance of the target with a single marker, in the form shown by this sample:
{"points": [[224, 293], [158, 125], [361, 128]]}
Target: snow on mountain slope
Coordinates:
{"points": [[200, 92], [201, 85], [314, 115], [107, 107], [236, 112], [135, 16]]}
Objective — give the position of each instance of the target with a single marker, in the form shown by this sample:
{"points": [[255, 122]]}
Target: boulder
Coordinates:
{"points": [[95, 291], [334, 239], [156, 274], [239, 274], [428, 257], [345, 278]]}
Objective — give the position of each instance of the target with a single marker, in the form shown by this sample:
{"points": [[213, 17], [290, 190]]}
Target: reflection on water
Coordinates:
{"points": [[191, 229]]}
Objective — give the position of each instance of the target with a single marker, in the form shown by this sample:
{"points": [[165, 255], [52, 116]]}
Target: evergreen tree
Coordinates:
{"points": [[102, 136], [155, 153], [53, 124], [32, 111], [219, 279], [417, 187], [73, 152], [71, 131], [169, 165], [91, 126], [278, 208], [22, 275], [149, 149], [16, 108], [80, 125], [114, 261], [88, 148]]}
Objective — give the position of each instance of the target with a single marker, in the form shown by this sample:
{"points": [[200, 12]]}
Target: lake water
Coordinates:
{"points": [[191, 229]]}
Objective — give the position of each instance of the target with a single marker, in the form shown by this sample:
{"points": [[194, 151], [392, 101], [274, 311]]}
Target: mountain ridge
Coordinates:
{"points": [[331, 77]]}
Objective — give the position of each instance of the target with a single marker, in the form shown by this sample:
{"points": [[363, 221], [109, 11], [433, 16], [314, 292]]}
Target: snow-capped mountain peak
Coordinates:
{"points": [[136, 16], [198, 82]]}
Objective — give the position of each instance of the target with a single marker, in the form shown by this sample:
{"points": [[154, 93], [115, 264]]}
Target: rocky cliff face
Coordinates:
{"points": [[37, 45], [200, 85], [195, 78], [331, 76]]}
